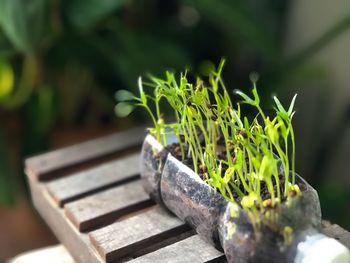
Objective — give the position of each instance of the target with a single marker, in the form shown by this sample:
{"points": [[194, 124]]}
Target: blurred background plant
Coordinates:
{"points": [[62, 61]]}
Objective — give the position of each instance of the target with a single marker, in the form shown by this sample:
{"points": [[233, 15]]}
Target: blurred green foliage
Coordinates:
{"points": [[6, 182], [61, 61]]}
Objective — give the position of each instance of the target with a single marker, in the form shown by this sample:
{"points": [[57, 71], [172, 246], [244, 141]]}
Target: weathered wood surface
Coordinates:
{"points": [[77, 243], [106, 206], [122, 238], [82, 183], [101, 213], [59, 160], [182, 252]]}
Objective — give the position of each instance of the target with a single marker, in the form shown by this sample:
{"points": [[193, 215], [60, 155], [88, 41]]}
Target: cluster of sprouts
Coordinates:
{"points": [[235, 155]]}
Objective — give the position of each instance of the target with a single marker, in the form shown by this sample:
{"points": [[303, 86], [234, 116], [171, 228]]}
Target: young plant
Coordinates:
{"points": [[240, 158]]}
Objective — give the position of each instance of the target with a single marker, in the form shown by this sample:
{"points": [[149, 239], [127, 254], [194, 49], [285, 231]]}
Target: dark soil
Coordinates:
{"points": [[175, 150]]}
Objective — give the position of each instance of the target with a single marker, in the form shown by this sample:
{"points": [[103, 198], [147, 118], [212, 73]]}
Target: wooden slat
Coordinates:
{"points": [[46, 163], [192, 249], [77, 243], [89, 181], [102, 208], [122, 238]]}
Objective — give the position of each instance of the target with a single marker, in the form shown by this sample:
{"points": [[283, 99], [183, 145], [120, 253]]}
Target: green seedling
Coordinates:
{"points": [[234, 155]]}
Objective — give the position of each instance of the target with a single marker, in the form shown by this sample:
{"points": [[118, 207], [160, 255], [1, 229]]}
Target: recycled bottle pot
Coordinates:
{"points": [[185, 194], [241, 243], [179, 189], [153, 157]]}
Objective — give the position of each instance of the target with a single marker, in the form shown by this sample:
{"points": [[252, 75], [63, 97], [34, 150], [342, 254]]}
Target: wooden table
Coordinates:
{"points": [[91, 197]]}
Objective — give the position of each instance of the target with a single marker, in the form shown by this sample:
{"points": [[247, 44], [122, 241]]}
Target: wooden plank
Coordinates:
{"points": [[44, 164], [77, 243], [192, 249], [102, 208], [77, 185], [122, 238]]}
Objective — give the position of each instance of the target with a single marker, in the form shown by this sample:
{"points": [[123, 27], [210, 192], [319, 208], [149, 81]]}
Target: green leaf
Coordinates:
{"points": [[246, 123], [283, 128], [245, 97], [271, 131], [23, 22], [221, 66], [143, 96], [123, 109], [236, 20], [256, 95], [139, 52], [239, 158], [6, 47], [84, 14], [124, 95], [238, 119], [279, 105], [292, 114], [266, 165], [228, 174], [283, 115], [291, 106]]}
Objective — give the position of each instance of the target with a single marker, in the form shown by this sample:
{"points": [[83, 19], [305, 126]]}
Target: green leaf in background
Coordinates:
{"points": [[7, 193], [85, 13], [6, 79], [19, 96], [41, 110], [23, 22], [234, 19], [6, 48], [133, 53]]}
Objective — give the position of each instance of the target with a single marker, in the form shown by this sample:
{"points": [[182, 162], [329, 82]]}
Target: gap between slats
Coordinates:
{"points": [[150, 244], [83, 155], [123, 238], [85, 165], [94, 180], [105, 207], [160, 245]]}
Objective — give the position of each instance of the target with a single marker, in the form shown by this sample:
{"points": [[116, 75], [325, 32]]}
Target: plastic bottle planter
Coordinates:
{"points": [[242, 244], [183, 192], [192, 200], [177, 187], [153, 157]]}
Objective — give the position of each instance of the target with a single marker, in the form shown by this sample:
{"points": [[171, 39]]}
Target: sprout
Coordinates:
{"points": [[240, 156]]}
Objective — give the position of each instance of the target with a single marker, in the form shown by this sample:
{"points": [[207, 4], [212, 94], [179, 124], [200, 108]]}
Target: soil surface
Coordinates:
{"points": [[175, 150]]}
